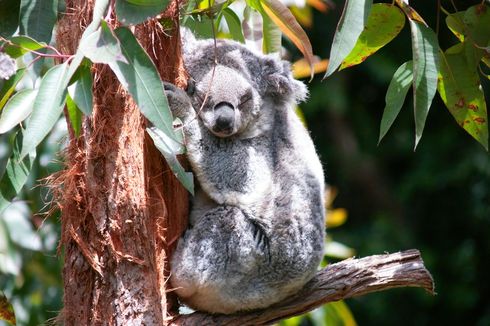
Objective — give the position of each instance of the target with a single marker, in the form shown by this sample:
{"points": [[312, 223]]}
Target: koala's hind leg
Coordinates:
{"points": [[219, 257]]}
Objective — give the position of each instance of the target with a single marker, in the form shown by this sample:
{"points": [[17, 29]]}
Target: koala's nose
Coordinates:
{"points": [[225, 117]]}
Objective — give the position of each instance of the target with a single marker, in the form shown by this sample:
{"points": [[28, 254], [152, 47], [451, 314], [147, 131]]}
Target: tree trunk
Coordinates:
{"points": [[122, 208]]}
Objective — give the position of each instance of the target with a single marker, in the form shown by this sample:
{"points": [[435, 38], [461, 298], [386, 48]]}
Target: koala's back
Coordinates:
{"points": [[257, 221]]}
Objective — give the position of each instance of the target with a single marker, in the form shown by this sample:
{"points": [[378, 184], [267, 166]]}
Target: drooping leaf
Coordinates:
{"points": [[37, 18], [140, 78], [131, 12], [301, 68], [6, 310], [425, 49], [284, 19], [48, 106], [169, 148], [252, 26], [16, 173], [350, 26], [460, 89], [9, 86], [272, 36], [101, 46], [234, 25], [477, 31], [17, 109], [410, 12], [9, 17], [456, 25], [395, 96], [20, 45], [384, 23], [81, 90], [74, 115]]}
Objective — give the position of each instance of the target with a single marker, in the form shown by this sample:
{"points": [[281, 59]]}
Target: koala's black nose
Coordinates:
{"points": [[225, 117]]}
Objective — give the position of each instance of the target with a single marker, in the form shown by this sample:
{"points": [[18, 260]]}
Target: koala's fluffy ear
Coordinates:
{"points": [[280, 84]]}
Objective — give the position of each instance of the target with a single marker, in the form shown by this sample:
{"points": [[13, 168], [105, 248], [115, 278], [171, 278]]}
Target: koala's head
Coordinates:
{"points": [[235, 90]]}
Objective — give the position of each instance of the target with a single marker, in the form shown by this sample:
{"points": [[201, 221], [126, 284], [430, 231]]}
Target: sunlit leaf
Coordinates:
{"points": [[48, 106], [319, 5], [425, 49], [384, 23], [477, 31], [37, 18], [456, 25], [282, 17], [9, 86], [9, 17], [16, 172], [6, 309], [74, 115], [395, 96], [101, 46], [234, 25], [19, 45], [141, 79], [17, 109], [272, 36], [131, 12], [460, 89], [301, 68], [304, 15], [344, 313], [169, 148], [410, 12], [338, 250], [81, 90], [336, 217]]}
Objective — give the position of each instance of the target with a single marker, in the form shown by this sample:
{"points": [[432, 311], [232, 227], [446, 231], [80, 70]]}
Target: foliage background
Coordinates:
{"points": [[436, 199]]}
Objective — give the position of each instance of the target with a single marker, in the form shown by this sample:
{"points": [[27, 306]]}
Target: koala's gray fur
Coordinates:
{"points": [[256, 228]]}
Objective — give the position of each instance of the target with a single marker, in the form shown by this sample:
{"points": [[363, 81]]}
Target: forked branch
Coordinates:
{"points": [[346, 279]]}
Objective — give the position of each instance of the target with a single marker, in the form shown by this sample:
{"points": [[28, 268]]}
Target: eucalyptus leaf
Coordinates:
{"points": [[395, 96], [9, 86], [37, 18], [16, 173], [425, 49], [48, 106], [384, 23], [350, 26], [140, 78], [17, 109], [101, 46], [74, 115], [169, 148], [20, 45], [234, 25], [81, 90], [130, 12], [460, 89]]}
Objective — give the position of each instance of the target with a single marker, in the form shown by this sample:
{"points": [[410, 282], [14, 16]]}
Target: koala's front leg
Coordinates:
{"points": [[179, 102]]}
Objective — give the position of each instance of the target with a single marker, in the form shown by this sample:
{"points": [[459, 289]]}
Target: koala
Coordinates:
{"points": [[257, 221]]}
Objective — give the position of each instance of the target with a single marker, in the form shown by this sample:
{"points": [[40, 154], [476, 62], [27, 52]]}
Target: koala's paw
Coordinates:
{"points": [[178, 100]]}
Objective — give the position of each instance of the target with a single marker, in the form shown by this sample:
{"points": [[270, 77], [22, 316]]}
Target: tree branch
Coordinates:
{"points": [[346, 279]]}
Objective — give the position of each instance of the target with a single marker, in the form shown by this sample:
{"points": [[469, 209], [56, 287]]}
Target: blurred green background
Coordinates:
{"points": [[436, 199]]}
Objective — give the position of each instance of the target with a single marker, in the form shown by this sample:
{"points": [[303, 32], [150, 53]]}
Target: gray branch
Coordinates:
{"points": [[346, 279]]}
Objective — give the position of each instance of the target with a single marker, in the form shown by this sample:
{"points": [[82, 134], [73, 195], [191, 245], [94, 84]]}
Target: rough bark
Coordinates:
{"points": [[346, 279], [117, 194]]}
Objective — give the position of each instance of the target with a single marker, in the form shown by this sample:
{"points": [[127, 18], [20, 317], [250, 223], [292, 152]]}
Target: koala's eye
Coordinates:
{"points": [[191, 87]]}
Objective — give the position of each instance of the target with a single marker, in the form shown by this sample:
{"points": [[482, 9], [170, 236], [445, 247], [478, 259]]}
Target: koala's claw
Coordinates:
{"points": [[260, 237]]}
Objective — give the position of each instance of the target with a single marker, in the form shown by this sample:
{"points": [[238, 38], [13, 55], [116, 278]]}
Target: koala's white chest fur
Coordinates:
{"points": [[257, 221]]}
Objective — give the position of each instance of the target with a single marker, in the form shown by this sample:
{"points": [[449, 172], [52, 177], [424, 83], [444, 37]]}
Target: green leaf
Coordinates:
{"points": [[131, 12], [456, 25], [16, 173], [460, 89], [350, 26], [384, 23], [169, 148], [20, 45], [141, 79], [81, 90], [425, 50], [395, 96], [272, 36], [74, 115], [9, 17], [9, 86], [48, 106], [284, 19], [477, 32], [37, 18], [6, 310], [17, 109], [101, 46], [234, 25]]}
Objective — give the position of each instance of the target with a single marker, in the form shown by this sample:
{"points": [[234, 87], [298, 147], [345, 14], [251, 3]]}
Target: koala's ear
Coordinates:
{"points": [[279, 82]]}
